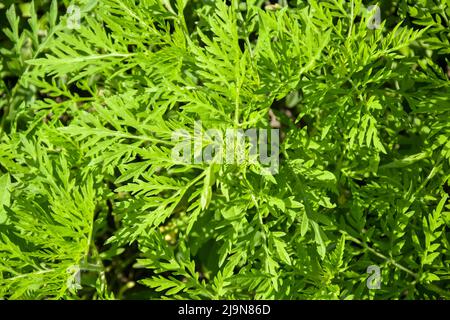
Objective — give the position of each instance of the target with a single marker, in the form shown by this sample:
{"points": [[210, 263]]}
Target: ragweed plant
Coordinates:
{"points": [[93, 204]]}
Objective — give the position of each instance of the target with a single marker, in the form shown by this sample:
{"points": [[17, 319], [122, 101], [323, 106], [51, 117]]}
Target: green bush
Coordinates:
{"points": [[93, 204]]}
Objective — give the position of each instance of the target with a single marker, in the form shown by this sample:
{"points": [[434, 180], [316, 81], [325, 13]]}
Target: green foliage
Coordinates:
{"points": [[89, 187]]}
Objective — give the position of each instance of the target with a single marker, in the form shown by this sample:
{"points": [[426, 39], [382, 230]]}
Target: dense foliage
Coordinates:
{"points": [[93, 205]]}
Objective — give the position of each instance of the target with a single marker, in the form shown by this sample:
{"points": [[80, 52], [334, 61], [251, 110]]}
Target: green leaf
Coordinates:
{"points": [[281, 251], [53, 14], [206, 194], [5, 196], [305, 225], [321, 248]]}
